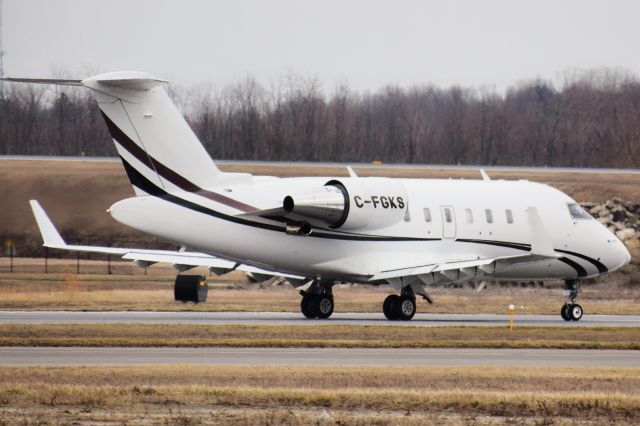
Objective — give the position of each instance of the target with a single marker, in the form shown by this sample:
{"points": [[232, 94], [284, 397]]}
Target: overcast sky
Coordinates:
{"points": [[365, 43]]}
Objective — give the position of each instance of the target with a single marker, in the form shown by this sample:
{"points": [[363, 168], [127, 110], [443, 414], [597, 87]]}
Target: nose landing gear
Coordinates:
{"points": [[571, 311]]}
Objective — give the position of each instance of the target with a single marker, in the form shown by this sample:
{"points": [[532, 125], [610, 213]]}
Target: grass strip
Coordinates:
{"points": [[145, 293], [329, 336], [594, 394]]}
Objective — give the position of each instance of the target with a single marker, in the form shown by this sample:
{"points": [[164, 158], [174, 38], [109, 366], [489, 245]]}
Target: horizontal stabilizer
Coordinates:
{"points": [[55, 81], [132, 80]]}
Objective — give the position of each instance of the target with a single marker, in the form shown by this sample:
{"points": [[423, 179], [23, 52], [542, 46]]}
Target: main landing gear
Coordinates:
{"points": [[571, 311], [401, 307], [317, 300]]}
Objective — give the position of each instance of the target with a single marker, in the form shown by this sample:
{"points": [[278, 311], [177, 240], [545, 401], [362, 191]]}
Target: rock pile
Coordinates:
{"points": [[622, 218]]}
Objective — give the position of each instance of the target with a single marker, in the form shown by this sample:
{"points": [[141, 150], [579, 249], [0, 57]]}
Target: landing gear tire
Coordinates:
{"points": [[576, 312], [388, 307], [571, 312], [323, 306], [405, 308], [307, 305], [317, 305], [565, 312]]}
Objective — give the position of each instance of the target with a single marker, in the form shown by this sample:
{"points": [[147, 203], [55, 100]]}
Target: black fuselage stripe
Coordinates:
{"points": [[181, 182], [517, 246], [601, 268], [575, 265], [150, 188], [527, 247]]}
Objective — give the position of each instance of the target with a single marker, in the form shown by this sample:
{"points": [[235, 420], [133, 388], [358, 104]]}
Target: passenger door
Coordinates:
{"points": [[448, 222]]}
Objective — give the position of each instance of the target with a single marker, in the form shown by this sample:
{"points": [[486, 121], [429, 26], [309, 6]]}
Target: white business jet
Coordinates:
{"points": [[316, 231]]}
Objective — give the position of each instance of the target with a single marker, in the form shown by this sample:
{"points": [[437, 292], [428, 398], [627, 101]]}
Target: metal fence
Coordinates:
{"points": [[24, 254]]}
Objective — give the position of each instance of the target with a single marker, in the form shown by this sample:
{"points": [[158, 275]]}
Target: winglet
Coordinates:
{"points": [[540, 241], [49, 232], [484, 175]]}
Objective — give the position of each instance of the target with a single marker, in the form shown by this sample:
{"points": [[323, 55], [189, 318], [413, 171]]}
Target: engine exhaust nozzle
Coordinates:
{"points": [[327, 203]]}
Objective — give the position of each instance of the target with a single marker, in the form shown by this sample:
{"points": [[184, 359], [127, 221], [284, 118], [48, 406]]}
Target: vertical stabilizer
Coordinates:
{"points": [[152, 137]]}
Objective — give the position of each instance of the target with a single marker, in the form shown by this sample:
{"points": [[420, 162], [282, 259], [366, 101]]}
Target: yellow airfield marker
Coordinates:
{"points": [[511, 311]]}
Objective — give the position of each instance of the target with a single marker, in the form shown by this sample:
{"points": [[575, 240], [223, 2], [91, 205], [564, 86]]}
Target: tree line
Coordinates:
{"points": [[590, 119]]}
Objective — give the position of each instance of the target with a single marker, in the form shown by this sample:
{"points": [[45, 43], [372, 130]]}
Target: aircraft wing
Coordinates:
{"points": [[541, 248], [459, 267], [181, 260]]}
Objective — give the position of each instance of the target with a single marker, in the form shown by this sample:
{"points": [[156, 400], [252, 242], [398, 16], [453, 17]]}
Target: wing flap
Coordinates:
{"points": [[451, 266], [179, 258], [404, 272], [459, 265]]}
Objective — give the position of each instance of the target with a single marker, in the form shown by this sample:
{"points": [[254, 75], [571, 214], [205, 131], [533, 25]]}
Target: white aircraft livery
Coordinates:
{"points": [[316, 231]]}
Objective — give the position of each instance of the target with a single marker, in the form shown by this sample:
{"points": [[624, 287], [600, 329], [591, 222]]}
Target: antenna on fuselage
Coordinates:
{"points": [[484, 175]]}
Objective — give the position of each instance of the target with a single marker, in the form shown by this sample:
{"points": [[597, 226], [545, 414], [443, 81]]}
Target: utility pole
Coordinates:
{"points": [[1, 56]]}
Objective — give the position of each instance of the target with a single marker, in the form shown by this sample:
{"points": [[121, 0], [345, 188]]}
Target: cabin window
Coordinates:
{"points": [[509, 214], [577, 212], [489, 214], [447, 215], [427, 215], [468, 214]]}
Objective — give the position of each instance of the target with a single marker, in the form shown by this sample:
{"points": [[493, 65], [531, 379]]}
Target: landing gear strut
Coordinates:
{"points": [[571, 311], [317, 300], [401, 307]]}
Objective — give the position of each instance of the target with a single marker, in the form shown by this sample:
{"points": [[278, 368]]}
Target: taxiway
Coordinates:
{"points": [[291, 318]]}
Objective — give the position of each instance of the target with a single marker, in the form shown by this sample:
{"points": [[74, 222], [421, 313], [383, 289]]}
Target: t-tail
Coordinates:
{"points": [[157, 146]]}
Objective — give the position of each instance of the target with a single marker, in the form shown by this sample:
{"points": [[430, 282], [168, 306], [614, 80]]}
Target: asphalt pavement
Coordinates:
{"points": [[292, 318]]}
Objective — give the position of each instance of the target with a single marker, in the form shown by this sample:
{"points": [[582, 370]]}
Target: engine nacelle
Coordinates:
{"points": [[352, 203]]}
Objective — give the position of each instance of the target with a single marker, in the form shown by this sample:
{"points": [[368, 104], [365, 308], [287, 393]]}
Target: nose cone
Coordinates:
{"points": [[626, 256], [622, 258], [612, 252]]}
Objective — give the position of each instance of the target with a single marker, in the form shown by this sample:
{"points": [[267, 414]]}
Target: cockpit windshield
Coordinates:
{"points": [[577, 212]]}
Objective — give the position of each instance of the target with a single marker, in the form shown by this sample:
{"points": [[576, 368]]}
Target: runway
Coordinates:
{"points": [[290, 318], [317, 356]]}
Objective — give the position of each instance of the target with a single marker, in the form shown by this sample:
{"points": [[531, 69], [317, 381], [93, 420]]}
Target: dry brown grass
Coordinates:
{"points": [[321, 395], [349, 336], [76, 194], [582, 186], [38, 291]]}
